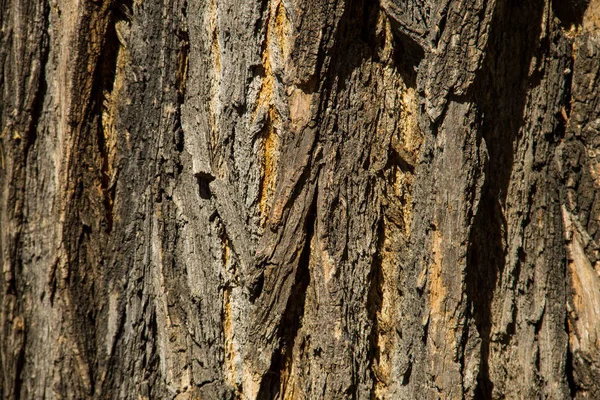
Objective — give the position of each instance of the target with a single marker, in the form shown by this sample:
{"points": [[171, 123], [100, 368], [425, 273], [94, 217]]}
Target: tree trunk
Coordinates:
{"points": [[300, 199]]}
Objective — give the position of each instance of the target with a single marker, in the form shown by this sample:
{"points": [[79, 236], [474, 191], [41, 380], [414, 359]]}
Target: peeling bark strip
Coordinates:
{"points": [[293, 199]]}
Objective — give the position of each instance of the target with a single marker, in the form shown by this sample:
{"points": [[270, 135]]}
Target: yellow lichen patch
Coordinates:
{"points": [[215, 56], [215, 45], [265, 93], [269, 165], [282, 28], [274, 31], [275, 44]]}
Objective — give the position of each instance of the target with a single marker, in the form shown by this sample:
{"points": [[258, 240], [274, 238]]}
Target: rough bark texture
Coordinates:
{"points": [[300, 199]]}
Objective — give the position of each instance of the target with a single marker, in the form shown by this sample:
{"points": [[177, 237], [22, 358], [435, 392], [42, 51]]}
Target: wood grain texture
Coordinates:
{"points": [[299, 199]]}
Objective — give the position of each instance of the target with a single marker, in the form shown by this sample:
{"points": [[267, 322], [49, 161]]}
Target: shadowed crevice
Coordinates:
{"points": [[91, 189], [570, 12], [374, 304], [272, 384], [570, 367], [183, 59], [500, 92], [102, 90]]}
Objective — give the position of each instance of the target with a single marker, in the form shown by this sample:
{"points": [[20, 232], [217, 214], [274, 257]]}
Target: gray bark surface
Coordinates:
{"points": [[300, 199]]}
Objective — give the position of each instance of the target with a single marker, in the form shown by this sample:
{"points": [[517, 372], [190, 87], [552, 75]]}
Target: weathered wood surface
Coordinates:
{"points": [[300, 199]]}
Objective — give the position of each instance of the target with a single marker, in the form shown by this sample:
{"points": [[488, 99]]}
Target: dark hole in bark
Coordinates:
{"points": [[204, 180], [408, 54]]}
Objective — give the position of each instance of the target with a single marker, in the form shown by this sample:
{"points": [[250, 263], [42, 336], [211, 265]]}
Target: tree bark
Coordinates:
{"points": [[300, 199]]}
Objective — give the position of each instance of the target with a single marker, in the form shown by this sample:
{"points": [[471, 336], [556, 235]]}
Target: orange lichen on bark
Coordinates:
{"points": [[269, 165], [215, 46], [215, 56], [282, 28], [275, 44]]}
